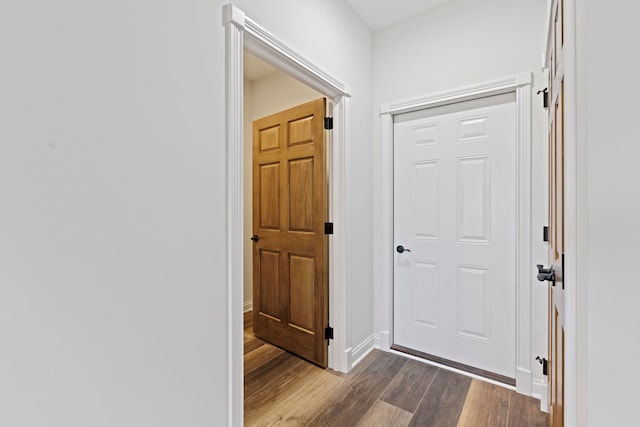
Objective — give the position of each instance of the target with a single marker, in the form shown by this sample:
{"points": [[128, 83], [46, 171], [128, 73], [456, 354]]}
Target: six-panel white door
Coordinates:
{"points": [[454, 213]]}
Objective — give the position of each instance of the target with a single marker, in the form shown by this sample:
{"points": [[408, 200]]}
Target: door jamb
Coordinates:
{"points": [[242, 33], [521, 84]]}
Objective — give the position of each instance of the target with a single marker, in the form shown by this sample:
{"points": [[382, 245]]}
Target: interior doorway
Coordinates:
{"points": [[243, 34], [521, 84]]}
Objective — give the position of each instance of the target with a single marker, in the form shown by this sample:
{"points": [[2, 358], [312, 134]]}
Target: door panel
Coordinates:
{"points": [[454, 210], [290, 209], [556, 149]]}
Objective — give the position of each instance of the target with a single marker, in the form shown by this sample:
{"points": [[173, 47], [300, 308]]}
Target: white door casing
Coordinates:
{"points": [[454, 210], [521, 84], [243, 33]]}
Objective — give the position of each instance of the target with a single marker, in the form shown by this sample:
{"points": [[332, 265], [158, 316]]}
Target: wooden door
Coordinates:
{"points": [[556, 147], [290, 249], [454, 231]]}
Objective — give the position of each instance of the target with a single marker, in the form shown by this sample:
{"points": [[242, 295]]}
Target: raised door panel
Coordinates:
{"points": [[474, 199], [269, 196], [269, 284], [301, 175], [302, 296]]}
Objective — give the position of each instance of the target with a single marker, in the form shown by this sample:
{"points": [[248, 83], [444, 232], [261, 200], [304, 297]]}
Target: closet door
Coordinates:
{"points": [[556, 178]]}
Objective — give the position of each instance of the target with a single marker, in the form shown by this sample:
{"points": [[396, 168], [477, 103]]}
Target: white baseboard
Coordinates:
{"points": [[248, 306], [523, 381], [382, 340], [360, 351], [539, 390]]}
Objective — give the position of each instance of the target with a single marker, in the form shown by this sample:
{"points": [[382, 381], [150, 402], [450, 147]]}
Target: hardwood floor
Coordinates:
{"points": [[383, 390]]}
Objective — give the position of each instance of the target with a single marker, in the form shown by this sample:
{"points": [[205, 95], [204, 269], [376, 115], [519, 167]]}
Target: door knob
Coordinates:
{"points": [[401, 249], [255, 238], [546, 274]]}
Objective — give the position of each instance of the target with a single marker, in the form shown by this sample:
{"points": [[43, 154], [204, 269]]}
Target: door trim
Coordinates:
{"points": [[521, 84], [243, 33]]}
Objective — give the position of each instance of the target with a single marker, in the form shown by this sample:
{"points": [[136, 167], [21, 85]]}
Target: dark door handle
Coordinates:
{"points": [[546, 274], [401, 249], [255, 238]]}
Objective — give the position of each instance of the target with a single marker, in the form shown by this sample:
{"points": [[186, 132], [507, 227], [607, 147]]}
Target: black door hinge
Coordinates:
{"points": [[544, 364], [545, 97], [328, 333], [545, 233], [563, 275], [328, 123], [328, 228]]}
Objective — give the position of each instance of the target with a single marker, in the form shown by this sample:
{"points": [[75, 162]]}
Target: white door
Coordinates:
{"points": [[454, 215]]}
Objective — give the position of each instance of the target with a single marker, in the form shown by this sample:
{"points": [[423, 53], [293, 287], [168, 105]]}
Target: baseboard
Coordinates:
{"points": [[360, 351], [523, 381], [540, 391], [248, 306], [382, 340]]}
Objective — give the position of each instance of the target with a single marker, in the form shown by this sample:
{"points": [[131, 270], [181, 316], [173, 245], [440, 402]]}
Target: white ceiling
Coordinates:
{"points": [[255, 68], [380, 14], [376, 14]]}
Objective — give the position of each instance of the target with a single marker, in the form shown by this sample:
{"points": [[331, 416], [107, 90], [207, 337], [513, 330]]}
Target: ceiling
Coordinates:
{"points": [[376, 14], [380, 14], [255, 68]]}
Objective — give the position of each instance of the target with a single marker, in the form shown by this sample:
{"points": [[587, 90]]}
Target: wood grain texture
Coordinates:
{"points": [[525, 411], [364, 389], [410, 385], [260, 356], [486, 405], [252, 343], [384, 389], [383, 414], [443, 402], [269, 402], [268, 372], [307, 400]]}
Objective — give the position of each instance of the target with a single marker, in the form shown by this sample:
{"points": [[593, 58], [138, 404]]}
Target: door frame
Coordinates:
{"points": [[243, 33], [521, 84]]}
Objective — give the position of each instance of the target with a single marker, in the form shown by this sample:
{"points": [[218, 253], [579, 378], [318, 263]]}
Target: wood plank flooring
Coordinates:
{"points": [[384, 390]]}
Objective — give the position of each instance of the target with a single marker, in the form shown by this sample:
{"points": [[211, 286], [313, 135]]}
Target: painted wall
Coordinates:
{"points": [[264, 96], [112, 178], [465, 43], [609, 210]]}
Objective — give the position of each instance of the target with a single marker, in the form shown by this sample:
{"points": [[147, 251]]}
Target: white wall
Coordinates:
{"points": [[607, 68], [465, 43], [264, 96], [112, 180]]}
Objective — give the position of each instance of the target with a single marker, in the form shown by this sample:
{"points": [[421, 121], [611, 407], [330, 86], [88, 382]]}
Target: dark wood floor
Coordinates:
{"points": [[383, 390]]}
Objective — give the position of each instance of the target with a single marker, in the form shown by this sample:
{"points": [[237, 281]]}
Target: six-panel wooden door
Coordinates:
{"points": [[290, 255]]}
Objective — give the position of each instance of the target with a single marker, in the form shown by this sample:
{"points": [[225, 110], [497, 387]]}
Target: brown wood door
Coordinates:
{"points": [[290, 255], [556, 150]]}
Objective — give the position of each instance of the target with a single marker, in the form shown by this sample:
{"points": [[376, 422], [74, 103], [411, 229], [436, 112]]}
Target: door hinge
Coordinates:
{"points": [[562, 275], [328, 228], [545, 97], [328, 333], [545, 233], [544, 364], [328, 123]]}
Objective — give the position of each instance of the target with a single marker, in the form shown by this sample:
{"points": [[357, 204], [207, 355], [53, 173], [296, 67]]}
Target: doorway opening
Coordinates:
{"points": [[243, 34]]}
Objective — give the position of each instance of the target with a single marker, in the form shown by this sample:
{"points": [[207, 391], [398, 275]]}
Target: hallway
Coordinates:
{"points": [[383, 390]]}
